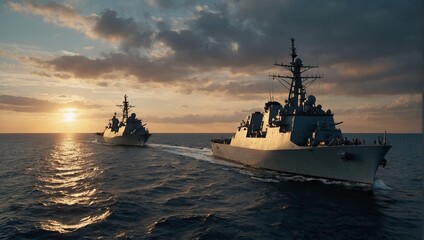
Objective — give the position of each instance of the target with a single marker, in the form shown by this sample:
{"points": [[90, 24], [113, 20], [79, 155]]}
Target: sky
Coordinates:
{"points": [[203, 66]]}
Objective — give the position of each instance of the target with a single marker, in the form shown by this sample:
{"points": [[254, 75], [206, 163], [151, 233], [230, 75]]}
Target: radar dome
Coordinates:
{"points": [[311, 99]]}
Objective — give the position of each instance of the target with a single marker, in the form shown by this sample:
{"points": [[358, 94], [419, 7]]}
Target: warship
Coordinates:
{"points": [[129, 131], [299, 137]]}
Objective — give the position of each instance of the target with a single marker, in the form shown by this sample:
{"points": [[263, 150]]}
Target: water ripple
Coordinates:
{"points": [[69, 179], [62, 227], [57, 186]]}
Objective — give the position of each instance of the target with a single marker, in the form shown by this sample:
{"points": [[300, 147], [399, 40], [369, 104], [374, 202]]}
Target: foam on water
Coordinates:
{"points": [[203, 154], [379, 184], [266, 179]]}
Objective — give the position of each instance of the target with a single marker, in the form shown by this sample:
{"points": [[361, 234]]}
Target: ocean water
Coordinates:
{"points": [[73, 186]]}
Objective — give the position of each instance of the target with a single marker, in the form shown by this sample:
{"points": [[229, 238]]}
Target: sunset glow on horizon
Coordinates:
{"points": [[203, 66]]}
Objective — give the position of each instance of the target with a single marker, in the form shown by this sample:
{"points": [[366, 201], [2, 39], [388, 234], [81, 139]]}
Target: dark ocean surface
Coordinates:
{"points": [[72, 186]]}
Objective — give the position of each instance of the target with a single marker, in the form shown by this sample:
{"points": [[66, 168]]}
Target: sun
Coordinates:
{"points": [[69, 114]]}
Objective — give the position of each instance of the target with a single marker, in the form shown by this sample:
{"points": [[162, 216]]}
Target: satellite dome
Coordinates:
{"points": [[311, 99]]}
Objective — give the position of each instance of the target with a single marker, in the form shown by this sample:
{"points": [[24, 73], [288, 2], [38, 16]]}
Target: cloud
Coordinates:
{"points": [[141, 68], [171, 4], [125, 30], [41, 73], [28, 104], [107, 27], [387, 76], [403, 114], [59, 14], [213, 40], [363, 47], [68, 53], [182, 79], [400, 106], [237, 88], [405, 103]]}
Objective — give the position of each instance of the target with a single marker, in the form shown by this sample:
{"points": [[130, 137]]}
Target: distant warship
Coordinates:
{"points": [[130, 131], [300, 137]]}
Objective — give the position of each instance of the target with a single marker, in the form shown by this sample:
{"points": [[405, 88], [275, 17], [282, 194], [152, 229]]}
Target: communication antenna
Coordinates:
{"points": [[125, 108], [296, 83], [271, 87]]}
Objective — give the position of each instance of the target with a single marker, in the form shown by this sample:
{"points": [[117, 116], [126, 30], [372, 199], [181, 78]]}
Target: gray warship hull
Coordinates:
{"points": [[126, 140], [350, 163]]}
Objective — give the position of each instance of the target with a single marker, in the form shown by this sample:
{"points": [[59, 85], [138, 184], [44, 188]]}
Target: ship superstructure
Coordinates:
{"points": [[300, 137], [129, 131]]}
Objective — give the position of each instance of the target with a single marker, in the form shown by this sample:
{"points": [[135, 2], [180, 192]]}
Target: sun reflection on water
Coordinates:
{"points": [[56, 226], [69, 178]]}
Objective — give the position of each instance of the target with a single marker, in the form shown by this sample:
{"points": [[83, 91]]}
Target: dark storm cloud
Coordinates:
{"points": [[372, 77], [82, 66], [27, 104], [195, 51], [130, 33], [247, 36], [143, 69], [239, 89], [24, 104], [330, 32], [213, 40]]}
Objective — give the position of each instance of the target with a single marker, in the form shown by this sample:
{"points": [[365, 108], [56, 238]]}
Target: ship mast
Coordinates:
{"points": [[125, 108], [297, 92]]}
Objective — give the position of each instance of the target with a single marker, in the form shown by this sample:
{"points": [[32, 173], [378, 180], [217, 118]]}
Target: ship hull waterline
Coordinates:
{"points": [[349, 163], [126, 140]]}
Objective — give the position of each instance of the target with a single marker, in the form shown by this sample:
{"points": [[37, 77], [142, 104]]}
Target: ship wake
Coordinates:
{"points": [[202, 154]]}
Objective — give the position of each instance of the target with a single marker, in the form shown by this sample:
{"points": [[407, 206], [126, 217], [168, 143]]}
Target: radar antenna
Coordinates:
{"points": [[297, 92], [293, 49], [125, 108]]}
